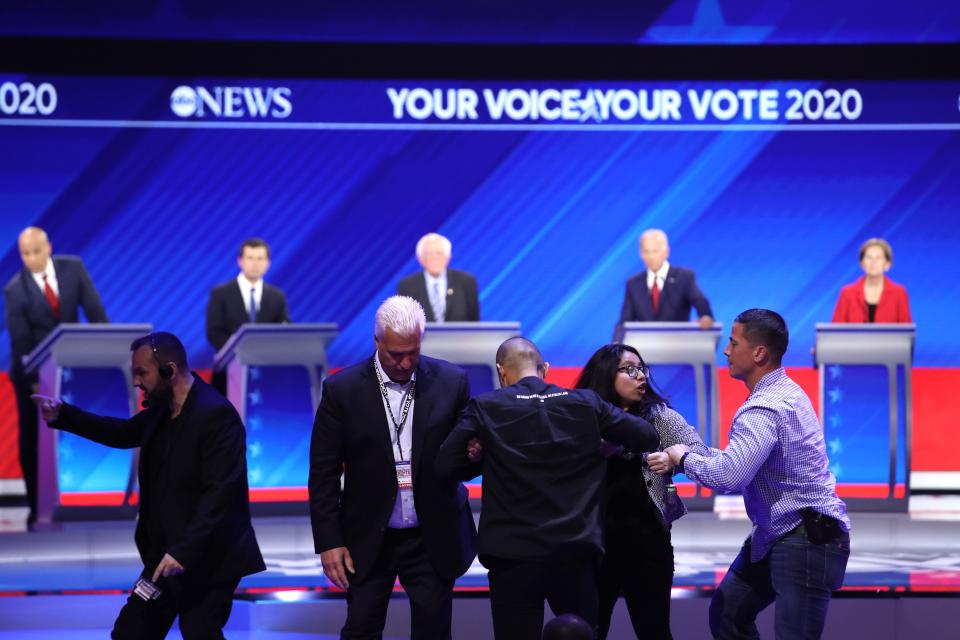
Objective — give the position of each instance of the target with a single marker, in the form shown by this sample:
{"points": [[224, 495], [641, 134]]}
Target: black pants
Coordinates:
{"points": [[27, 420], [404, 555], [639, 564], [519, 587], [203, 609]]}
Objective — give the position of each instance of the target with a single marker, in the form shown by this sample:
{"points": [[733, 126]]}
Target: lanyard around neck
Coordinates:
{"points": [[398, 423]]}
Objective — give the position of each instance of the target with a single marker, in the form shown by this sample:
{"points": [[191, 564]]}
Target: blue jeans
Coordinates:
{"points": [[796, 574]]}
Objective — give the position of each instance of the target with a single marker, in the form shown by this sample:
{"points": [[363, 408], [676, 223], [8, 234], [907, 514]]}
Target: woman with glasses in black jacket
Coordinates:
{"points": [[641, 500]]}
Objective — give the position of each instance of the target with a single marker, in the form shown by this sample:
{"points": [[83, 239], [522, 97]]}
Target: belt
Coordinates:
{"points": [[820, 527]]}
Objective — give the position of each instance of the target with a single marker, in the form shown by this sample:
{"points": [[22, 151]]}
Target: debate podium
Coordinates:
{"points": [[683, 362], [472, 346], [866, 411], [275, 374], [87, 365]]}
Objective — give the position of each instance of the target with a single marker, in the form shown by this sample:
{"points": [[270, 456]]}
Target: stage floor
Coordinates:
{"points": [[88, 566]]}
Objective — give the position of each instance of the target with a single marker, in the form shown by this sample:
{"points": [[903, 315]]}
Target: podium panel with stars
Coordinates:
{"points": [[86, 466], [87, 365], [275, 374], [279, 417], [866, 411]]}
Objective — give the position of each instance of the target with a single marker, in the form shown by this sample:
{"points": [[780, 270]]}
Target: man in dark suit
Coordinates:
{"points": [[245, 299], [47, 291], [664, 293], [380, 424], [446, 295], [194, 533], [543, 476]]}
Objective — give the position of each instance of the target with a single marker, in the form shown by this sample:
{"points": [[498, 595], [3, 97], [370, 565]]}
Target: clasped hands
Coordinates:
{"points": [[664, 462], [474, 450]]}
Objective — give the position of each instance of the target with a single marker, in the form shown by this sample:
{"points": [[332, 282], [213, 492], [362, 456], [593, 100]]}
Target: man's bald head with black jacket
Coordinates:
{"points": [[518, 358]]}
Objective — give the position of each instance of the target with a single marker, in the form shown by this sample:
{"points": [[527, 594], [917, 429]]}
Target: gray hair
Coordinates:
{"points": [[655, 234], [434, 237], [402, 314]]}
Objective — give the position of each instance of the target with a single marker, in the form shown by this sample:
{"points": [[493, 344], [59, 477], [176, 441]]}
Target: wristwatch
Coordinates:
{"points": [[682, 460]]}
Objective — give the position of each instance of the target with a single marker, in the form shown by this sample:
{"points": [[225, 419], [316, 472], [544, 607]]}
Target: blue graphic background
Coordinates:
{"points": [[495, 21], [547, 220], [84, 465], [278, 412]]}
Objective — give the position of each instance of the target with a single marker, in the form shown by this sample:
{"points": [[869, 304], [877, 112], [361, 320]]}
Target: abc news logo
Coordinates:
{"points": [[231, 102]]}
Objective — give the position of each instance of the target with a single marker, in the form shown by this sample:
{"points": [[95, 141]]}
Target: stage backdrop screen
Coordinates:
{"points": [[766, 189], [494, 21]]}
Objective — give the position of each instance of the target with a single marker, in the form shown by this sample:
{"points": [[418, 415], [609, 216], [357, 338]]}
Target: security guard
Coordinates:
{"points": [[539, 448]]}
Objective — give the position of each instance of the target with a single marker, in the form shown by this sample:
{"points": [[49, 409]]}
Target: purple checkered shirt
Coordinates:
{"points": [[777, 458]]}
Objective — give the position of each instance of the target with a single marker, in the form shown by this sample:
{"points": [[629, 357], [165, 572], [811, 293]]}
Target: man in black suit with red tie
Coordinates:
{"points": [[47, 291], [663, 293], [446, 295], [379, 426], [245, 299]]}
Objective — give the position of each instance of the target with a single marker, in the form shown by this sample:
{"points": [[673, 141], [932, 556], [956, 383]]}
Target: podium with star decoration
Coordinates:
{"points": [[683, 362], [866, 411], [87, 365], [275, 374]]}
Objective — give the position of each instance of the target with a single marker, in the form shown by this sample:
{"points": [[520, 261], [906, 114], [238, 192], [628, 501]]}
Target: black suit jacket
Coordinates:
{"points": [[462, 302], [680, 294], [205, 509], [226, 311], [350, 435], [29, 316], [543, 469]]}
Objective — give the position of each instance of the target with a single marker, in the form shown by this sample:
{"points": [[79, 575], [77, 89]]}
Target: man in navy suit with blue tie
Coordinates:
{"points": [[664, 293], [446, 295], [242, 300], [47, 291]]}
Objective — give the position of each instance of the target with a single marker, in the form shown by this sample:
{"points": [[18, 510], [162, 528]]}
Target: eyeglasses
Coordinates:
{"points": [[634, 372]]}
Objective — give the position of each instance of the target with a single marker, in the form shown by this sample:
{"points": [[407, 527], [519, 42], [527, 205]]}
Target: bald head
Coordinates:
{"points": [[34, 247], [654, 248], [518, 358]]}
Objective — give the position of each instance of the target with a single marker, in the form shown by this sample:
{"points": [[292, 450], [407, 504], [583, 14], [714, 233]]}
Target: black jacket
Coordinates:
{"points": [[205, 512], [225, 311], [29, 316], [462, 302], [350, 436], [543, 470]]}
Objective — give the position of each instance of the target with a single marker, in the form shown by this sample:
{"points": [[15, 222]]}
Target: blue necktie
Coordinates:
{"points": [[438, 302], [253, 305]]}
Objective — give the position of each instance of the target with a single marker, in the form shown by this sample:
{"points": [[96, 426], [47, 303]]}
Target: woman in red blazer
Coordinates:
{"points": [[874, 297]]}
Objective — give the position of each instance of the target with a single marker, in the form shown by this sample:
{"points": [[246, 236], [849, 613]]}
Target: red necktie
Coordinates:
{"points": [[655, 296], [51, 298]]}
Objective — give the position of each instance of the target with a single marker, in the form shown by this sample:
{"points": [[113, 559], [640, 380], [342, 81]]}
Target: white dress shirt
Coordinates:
{"points": [[246, 286], [404, 513], [51, 278], [660, 275]]}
